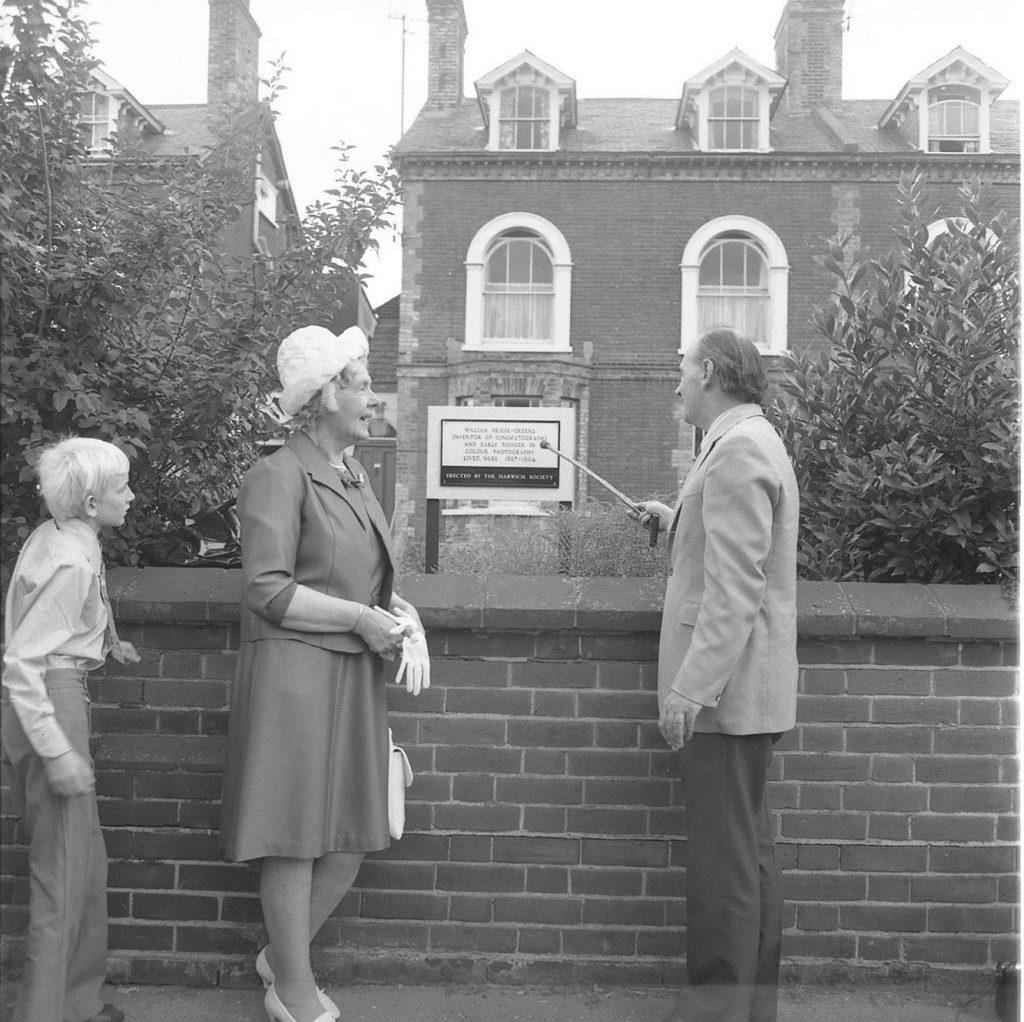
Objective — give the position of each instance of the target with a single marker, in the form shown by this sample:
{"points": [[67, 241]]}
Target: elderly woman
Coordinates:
{"points": [[305, 788]]}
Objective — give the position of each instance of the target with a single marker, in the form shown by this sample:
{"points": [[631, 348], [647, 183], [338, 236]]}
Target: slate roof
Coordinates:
{"points": [[647, 126], [186, 127]]}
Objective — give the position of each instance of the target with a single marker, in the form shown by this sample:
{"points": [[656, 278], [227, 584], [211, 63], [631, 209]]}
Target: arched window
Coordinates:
{"points": [[954, 123], [524, 118], [735, 273], [518, 277], [733, 287], [938, 230], [734, 116], [519, 288]]}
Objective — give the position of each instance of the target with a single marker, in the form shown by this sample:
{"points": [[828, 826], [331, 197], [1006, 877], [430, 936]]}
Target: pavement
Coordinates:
{"points": [[881, 1002]]}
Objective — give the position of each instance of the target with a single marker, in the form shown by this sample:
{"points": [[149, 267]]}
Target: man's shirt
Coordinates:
{"points": [[56, 616]]}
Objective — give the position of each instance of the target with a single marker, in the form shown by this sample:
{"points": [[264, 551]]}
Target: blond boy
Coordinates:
{"points": [[58, 627]]}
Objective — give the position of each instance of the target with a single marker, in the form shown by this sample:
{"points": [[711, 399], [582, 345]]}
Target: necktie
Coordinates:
{"points": [[110, 639]]}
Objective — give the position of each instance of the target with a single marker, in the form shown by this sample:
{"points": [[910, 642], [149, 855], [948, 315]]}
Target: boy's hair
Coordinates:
{"points": [[74, 468]]}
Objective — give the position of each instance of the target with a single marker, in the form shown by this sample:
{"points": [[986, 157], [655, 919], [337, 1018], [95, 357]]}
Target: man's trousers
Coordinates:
{"points": [[66, 952], [733, 885]]}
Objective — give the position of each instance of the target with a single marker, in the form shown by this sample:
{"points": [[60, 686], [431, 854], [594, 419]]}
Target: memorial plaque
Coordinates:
{"points": [[494, 453]]}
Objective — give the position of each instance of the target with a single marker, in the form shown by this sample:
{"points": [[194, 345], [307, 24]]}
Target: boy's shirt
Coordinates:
{"points": [[55, 617]]}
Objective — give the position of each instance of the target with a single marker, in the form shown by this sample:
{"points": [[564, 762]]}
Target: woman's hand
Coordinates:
{"points": [[380, 632], [648, 509], [405, 612]]}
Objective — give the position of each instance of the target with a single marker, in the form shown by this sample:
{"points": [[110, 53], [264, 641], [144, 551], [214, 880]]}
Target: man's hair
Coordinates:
{"points": [[738, 367], [74, 468]]}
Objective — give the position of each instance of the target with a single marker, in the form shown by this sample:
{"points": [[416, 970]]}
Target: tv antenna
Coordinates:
{"points": [[405, 31]]}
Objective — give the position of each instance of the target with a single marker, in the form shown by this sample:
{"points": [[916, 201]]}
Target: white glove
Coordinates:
{"points": [[415, 663]]}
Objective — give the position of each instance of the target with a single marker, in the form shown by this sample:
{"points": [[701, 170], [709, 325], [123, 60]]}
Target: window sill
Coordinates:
{"points": [[511, 347]]}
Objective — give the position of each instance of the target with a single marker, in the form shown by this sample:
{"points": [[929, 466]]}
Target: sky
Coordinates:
{"points": [[345, 82]]}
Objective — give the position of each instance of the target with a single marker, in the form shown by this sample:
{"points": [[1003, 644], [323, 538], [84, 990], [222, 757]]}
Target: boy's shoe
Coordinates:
{"points": [[108, 1013]]}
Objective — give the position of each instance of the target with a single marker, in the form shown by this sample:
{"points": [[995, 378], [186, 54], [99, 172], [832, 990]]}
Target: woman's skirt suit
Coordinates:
{"points": [[307, 762]]}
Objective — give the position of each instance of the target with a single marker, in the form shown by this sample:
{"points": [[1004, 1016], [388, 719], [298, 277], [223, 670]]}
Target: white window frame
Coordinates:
{"points": [[518, 120], [494, 115], [561, 267], [725, 119], [778, 279], [962, 139], [704, 116], [920, 100], [108, 124]]}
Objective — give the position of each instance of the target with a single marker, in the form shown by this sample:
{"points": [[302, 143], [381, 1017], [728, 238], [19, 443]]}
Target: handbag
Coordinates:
{"points": [[399, 778]]}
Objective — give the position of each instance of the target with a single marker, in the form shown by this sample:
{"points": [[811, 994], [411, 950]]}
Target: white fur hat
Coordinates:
{"points": [[311, 356]]}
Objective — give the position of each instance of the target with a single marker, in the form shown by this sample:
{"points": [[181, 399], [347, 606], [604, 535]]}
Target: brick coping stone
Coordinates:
{"points": [[554, 603]]}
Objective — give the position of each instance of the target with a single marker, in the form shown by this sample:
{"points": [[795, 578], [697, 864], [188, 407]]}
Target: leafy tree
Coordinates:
{"points": [[906, 433], [122, 316]]}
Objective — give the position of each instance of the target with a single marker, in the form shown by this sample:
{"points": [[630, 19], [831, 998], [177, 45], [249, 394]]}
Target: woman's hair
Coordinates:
{"points": [[307, 415], [737, 362], [74, 468]]}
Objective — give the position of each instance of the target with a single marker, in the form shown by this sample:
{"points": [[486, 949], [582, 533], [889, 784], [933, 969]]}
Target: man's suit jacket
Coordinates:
{"points": [[728, 631], [301, 525]]}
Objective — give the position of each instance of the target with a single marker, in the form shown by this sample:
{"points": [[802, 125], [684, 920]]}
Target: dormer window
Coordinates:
{"points": [[97, 122], [526, 104], [954, 119], [525, 121], [946, 108], [105, 108], [733, 117], [727, 107]]}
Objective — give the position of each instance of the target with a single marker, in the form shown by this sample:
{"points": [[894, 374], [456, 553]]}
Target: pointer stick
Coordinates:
{"points": [[654, 525]]}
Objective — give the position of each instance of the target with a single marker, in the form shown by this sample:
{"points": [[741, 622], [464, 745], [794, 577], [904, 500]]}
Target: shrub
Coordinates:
{"points": [[905, 434], [593, 539], [122, 317]]}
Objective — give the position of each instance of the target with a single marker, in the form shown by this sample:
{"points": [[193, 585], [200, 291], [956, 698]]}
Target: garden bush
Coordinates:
{"points": [[905, 433], [592, 539]]}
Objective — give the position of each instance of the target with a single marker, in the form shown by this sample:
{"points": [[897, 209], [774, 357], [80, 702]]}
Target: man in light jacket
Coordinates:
{"points": [[727, 675]]}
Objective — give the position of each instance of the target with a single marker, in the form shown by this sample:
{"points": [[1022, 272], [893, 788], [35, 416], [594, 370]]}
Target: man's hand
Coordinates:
{"points": [[678, 717], [69, 774], [648, 509]]}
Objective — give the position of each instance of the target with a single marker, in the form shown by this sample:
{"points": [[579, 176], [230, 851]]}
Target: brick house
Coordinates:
{"points": [[270, 222], [559, 250]]}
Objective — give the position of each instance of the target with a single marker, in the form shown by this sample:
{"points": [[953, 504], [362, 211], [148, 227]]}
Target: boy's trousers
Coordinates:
{"points": [[66, 953]]}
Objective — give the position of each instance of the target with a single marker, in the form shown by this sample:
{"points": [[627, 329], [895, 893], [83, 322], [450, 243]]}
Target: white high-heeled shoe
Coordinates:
{"points": [[266, 974], [277, 1012]]}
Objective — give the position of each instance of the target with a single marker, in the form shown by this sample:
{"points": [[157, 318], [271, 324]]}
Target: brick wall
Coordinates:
{"points": [[544, 835]]}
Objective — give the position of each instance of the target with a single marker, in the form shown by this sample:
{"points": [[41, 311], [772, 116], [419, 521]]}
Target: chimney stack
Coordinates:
{"points": [[447, 48], [809, 54], [233, 64]]}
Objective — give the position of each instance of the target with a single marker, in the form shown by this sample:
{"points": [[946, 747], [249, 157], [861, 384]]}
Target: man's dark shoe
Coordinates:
{"points": [[108, 1013]]}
